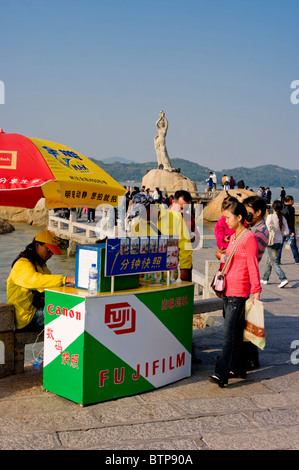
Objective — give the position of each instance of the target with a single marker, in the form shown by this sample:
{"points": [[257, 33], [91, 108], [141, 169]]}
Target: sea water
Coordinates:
{"points": [[11, 244]]}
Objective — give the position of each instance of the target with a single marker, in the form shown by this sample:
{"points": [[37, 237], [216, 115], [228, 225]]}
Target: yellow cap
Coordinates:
{"points": [[49, 239]]}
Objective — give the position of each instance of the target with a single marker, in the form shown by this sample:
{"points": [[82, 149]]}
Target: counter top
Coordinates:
{"points": [[145, 286]]}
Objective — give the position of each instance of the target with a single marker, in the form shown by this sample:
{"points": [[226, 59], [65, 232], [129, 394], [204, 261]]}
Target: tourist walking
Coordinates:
{"points": [[210, 184], [276, 224], [261, 192], [214, 178], [91, 215], [157, 196], [289, 214], [282, 194], [268, 195], [225, 182], [242, 279], [165, 199], [256, 209]]}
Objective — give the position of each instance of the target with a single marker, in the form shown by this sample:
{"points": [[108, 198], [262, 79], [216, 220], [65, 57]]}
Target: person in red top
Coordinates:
{"points": [[242, 280], [222, 231]]}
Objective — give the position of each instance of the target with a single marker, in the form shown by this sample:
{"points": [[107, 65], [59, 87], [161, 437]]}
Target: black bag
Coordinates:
{"points": [[38, 299]]}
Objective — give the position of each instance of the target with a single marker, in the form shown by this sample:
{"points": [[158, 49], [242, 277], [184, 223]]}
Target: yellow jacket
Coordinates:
{"points": [[168, 223], [22, 280]]}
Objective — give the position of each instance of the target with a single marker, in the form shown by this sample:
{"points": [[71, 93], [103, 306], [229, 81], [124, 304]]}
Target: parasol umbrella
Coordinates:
{"points": [[31, 169]]}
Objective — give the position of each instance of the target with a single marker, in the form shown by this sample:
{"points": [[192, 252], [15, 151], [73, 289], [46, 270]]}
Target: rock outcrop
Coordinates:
{"points": [[38, 216], [5, 227], [169, 181], [212, 212]]}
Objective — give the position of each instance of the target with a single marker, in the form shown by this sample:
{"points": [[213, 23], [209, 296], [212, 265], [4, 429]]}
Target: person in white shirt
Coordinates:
{"points": [[214, 178], [276, 223]]}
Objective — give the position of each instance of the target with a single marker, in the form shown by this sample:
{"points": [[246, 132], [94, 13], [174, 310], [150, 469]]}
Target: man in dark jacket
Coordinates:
{"points": [[282, 194], [268, 195], [289, 214]]}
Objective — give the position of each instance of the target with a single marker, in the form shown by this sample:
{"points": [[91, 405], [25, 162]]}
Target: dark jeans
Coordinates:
{"points": [[294, 248], [232, 356], [91, 213]]}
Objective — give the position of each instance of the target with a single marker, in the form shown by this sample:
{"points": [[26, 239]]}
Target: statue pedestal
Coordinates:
{"points": [[169, 181]]}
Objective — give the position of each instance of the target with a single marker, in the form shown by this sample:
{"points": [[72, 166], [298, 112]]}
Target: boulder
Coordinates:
{"points": [[38, 216], [212, 212], [14, 214], [5, 227], [169, 181]]}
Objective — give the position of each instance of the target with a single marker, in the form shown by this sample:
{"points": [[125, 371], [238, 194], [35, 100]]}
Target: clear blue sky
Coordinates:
{"points": [[94, 75]]}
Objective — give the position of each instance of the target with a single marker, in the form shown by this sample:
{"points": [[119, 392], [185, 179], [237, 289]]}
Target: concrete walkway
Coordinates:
{"points": [[260, 412]]}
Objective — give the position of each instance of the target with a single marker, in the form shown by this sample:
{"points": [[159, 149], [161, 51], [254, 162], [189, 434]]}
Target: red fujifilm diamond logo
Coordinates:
{"points": [[121, 318]]}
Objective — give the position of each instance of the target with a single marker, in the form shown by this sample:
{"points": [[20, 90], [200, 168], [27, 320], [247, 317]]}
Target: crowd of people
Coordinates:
{"points": [[159, 197], [227, 182], [244, 223]]}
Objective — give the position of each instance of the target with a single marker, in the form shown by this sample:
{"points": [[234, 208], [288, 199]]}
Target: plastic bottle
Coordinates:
{"points": [[37, 362], [93, 280], [289, 242]]}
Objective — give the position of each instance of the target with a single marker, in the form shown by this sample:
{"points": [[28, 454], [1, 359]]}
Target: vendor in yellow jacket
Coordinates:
{"points": [[29, 277], [151, 219]]}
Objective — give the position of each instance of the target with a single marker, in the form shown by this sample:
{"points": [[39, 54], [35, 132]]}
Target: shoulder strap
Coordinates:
{"points": [[155, 228], [232, 253]]}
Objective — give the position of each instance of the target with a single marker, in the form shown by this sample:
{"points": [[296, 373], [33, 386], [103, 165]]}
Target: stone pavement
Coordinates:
{"points": [[260, 412]]}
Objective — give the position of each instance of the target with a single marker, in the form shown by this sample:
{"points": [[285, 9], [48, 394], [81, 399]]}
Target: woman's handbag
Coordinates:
{"points": [[254, 330], [219, 283], [271, 233]]}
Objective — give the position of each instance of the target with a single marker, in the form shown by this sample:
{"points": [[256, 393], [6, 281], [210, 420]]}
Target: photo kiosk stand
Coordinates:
{"points": [[130, 340]]}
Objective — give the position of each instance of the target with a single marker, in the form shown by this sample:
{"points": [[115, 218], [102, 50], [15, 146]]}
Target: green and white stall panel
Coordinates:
{"points": [[111, 346]]}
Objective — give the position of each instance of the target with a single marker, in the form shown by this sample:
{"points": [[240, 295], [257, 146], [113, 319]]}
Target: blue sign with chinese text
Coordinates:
{"points": [[132, 255]]}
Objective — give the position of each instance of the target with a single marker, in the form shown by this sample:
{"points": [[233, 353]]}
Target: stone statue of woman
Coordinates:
{"points": [[160, 145]]}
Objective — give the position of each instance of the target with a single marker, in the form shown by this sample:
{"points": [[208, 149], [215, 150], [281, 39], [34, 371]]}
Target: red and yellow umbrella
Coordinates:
{"points": [[31, 169]]}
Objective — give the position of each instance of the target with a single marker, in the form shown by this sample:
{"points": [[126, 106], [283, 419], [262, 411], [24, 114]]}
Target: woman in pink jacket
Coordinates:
{"points": [[242, 280]]}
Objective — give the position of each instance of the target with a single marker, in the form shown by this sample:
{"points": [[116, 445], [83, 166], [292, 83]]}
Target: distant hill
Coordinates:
{"points": [[264, 175], [117, 159]]}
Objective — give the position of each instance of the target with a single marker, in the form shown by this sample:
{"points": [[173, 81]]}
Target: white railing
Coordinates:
{"points": [[71, 229], [82, 232], [203, 281]]}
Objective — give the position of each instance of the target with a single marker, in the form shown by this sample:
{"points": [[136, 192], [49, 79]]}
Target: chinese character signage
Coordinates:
{"points": [[132, 255]]}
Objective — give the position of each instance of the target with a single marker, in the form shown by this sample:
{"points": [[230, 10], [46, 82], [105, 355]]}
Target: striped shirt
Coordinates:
{"points": [[261, 232]]}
